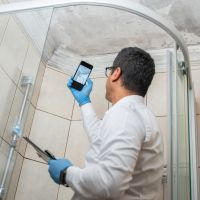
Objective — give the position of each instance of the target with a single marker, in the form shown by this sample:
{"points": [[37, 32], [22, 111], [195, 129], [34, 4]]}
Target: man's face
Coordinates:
{"points": [[112, 83]]}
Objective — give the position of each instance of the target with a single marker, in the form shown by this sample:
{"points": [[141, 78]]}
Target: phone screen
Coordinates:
{"points": [[82, 74]]}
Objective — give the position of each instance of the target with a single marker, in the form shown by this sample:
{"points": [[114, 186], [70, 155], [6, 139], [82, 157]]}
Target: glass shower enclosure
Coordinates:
{"points": [[16, 61]]}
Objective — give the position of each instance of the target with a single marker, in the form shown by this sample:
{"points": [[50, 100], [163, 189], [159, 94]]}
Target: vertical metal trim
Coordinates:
{"points": [[168, 194], [193, 146], [175, 115]]}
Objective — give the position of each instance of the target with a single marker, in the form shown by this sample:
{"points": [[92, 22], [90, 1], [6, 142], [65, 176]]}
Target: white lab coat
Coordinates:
{"points": [[125, 158]]}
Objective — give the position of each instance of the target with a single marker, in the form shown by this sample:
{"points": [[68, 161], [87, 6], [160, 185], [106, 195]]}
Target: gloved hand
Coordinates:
{"points": [[56, 166], [82, 97]]}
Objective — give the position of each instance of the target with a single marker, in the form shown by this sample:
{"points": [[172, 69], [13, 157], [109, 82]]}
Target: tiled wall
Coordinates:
{"points": [[57, 126], [18, 57]]}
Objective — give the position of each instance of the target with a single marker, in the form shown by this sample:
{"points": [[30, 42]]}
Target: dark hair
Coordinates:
{"points": [[137, 68]]}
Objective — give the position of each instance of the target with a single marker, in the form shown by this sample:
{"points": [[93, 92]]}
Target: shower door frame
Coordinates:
{"points": [[125, 5]]}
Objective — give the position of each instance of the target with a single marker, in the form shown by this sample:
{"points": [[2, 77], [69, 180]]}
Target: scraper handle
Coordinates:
{"points": [[50, 155]]}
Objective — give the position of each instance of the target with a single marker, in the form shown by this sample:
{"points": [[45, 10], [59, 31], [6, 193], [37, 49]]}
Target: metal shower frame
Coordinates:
{"points": [[125, 5]]}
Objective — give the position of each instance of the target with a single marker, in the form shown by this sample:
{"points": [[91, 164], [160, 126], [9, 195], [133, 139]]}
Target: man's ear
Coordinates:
{"points": [[116, 74]]}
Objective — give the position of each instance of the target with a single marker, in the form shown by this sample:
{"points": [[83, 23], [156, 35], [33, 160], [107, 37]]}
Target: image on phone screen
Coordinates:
{"points": [[82, 74]]}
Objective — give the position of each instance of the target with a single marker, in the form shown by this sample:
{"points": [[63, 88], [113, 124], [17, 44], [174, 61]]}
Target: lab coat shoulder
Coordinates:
{"points": [[122, 121]]}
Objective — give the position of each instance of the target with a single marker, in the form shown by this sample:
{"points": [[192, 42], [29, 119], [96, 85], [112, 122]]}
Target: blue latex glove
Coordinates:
{"points": [[56, 166], [82, 97]]}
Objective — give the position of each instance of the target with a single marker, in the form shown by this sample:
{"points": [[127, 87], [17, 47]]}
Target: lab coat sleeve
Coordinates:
{"points": [[91, 122], [110, 177]]}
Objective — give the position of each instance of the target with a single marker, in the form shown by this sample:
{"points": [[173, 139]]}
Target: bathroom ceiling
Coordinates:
{"points": [[92, 30]]}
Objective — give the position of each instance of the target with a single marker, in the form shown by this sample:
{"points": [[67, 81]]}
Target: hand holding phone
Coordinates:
{"points": [[81, 75], [83, 96]]}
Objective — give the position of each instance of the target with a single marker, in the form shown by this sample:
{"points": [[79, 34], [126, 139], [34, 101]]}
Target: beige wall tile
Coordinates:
{"points": [[48, 132], [13, 50], [13, 117], [14, 178], [31, 63], [3, 24], [35, 182], [157, 95], [26, 130], [98, 100], [6, 98], [162, 121], [196, 82], [65, 193], [12, 120], [30, 68], [4, 151], [38, 83], [55, 97], [77, 144], [98, 96]]}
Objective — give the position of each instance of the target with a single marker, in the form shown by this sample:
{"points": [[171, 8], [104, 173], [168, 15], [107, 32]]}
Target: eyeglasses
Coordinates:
{"points": [[108, 71]]}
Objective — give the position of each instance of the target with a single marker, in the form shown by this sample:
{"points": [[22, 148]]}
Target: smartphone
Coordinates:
{"points": [[81, 75]]}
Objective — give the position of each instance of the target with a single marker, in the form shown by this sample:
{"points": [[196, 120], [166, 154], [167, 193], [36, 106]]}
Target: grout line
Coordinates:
{"points": [[19, 176], [161, 115], [20, 76], [5, 30], [195, 68], [57, 70], [70, 123], [67, 141], [9, 112], [52, 114], [32, 159], [73, 107], [76, 120], [8, 75], [65, 151], [43, 72]]}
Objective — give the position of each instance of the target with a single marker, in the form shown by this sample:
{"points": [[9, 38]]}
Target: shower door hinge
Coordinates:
{"points": [[164, 179], [182, 67]]}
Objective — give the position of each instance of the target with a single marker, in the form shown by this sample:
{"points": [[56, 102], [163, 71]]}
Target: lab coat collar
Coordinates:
{"points": [[130, 99]]}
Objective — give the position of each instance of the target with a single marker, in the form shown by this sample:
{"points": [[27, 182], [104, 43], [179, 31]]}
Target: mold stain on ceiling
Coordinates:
{"points": [[92, 30]]}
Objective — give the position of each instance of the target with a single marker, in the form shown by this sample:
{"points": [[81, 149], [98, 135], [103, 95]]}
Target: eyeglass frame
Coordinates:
{"points": [[108, 68]]}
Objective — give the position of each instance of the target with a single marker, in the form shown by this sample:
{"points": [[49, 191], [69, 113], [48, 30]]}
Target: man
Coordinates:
{"points": [[125, 158]]}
